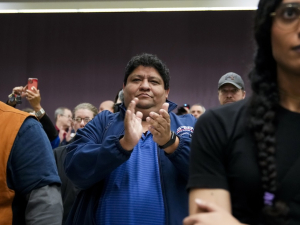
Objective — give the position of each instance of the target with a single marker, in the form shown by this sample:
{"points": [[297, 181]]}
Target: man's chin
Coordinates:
{"points": [[144, 106]]}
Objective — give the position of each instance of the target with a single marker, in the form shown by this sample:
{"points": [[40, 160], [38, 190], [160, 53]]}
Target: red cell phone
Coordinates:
{"points": [[32, 82]]}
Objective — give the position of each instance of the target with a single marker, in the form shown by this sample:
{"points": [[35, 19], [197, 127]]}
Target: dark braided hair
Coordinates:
{"points": [[263, 107]]}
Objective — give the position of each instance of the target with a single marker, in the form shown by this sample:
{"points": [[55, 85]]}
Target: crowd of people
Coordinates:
{"points": [[134, 161]]}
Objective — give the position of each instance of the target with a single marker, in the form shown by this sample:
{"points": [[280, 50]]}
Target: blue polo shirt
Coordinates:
{"points": [[132, 193]]}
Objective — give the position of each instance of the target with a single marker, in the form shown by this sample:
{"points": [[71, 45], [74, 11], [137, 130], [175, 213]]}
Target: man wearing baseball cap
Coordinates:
{"points": [[231, 88]]}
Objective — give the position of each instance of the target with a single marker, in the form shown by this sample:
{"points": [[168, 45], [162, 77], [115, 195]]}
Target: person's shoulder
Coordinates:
{"points": [[227, 111], [30, 122], [229, 115], [189, 118], [103, 118], [59, 150], [105, 115], [98, 123]]}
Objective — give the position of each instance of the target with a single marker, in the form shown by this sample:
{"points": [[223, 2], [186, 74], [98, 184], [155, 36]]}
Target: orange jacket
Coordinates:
{"points": [[11, 121]]}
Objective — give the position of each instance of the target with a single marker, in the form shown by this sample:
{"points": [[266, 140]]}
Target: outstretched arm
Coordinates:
{"points": [[34, 98]]}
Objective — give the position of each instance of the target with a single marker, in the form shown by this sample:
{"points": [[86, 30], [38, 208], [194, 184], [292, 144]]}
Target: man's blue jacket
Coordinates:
{"points": [[96, 152]]}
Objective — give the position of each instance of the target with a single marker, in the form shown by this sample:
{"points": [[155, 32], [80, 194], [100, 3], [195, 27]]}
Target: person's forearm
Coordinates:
{"points": [[49, 127], [180, 157], [84, 164], [44, 206]]}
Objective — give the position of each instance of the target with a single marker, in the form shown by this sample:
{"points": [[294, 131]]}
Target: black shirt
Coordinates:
{"points": [[224, 156]]}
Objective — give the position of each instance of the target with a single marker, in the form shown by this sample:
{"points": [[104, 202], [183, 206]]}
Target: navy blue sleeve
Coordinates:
{"points": [[90, 159], [31, 163], [180, 157], [55, 142]]}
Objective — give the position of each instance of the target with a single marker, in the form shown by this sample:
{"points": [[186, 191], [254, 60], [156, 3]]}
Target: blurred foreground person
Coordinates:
{"points": [[29, 183], [245, 157]]}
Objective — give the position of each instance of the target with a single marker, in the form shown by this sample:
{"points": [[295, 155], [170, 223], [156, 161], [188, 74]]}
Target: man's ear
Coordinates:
{"points": [[123, 86], [167, 93], [244, 94]]}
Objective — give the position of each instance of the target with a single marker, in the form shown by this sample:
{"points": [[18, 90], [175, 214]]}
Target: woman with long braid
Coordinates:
{"points": [[245, 157]]}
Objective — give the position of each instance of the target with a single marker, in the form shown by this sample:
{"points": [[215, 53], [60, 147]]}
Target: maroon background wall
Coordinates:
{"points": [[81, 57]]}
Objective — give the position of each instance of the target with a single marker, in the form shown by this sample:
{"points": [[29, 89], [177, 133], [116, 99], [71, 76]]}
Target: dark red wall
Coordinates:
{"points": [[81, 57]]}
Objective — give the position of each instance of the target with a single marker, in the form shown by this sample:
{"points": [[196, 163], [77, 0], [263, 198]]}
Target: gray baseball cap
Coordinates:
{"points": [[232, 78]]}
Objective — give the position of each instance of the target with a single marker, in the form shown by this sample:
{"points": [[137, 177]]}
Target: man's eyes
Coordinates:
{"points": [[151, 81], [229, 90]]}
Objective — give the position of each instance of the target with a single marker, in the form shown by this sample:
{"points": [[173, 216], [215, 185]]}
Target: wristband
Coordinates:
{"points": [[170, 142], [39, 114]]}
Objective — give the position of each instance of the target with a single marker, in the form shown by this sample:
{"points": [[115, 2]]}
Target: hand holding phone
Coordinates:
{"points": [[32, 82]]}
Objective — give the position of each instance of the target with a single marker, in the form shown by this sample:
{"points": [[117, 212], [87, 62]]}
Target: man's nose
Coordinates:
{"points": [[229, 95], [145, 84], [82, 123]]}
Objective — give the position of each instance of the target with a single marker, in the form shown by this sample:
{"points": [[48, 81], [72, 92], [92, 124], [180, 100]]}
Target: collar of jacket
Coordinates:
{"points": [[172, 106]]}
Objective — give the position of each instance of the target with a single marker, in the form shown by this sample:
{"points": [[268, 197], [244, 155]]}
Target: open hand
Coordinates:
{"points": [[133, 126], [160, 125]]}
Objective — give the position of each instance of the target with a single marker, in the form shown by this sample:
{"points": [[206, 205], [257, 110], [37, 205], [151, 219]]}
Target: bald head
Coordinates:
{"points": [[106, 105]]}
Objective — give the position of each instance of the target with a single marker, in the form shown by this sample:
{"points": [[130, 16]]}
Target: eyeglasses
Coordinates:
{"points": [[287, 16], [233, 91], [85, 120]]}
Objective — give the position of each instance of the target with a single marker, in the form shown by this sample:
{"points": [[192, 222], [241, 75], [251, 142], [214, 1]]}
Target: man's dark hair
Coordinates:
{"points": [[148, 60], [263, 110]]}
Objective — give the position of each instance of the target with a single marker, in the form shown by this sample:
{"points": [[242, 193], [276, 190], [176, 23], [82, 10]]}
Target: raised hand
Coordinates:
{"points": [[34, 98], [211, 215], [133, 126], [160, 125], [68, 134], [20, 91]]}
